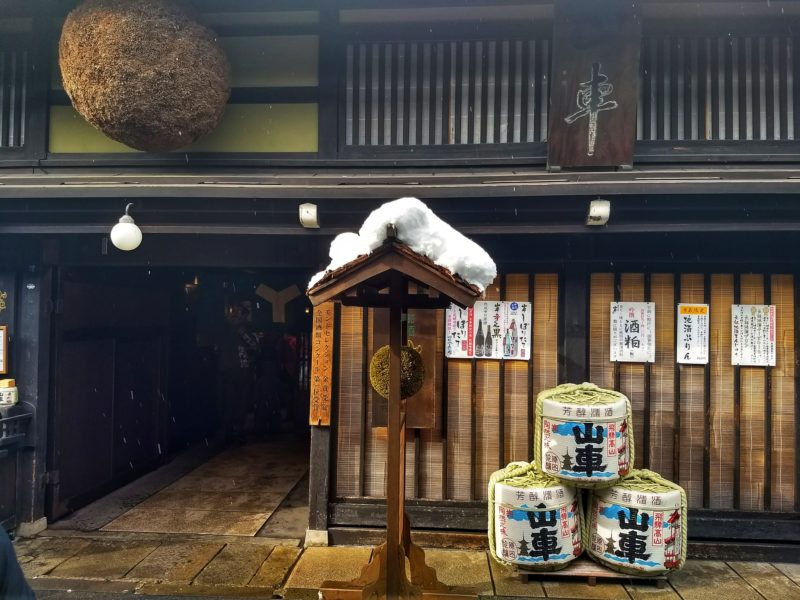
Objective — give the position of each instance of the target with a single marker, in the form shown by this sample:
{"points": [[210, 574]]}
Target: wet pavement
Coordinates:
{"points": [[102, 566], [233, 526]]}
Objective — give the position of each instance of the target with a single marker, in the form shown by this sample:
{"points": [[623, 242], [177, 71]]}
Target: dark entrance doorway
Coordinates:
{"points": [[142, 370]]}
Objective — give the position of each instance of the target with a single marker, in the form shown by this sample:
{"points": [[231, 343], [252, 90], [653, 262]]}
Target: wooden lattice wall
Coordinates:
{"points": [[485, 408], [725, 433]]}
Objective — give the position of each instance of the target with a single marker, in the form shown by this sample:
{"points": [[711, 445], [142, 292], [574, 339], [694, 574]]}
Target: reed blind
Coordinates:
{"points": [[730, 87], [725, 433], [488, 405], [415, 93], [13, 97]]}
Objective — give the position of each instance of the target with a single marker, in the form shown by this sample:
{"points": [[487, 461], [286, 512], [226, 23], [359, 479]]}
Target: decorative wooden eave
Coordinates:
{"points": [[364, 281]]}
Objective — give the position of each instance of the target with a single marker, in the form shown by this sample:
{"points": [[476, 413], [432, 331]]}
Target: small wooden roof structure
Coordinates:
{"points": [[381, 280], [365, 281]]}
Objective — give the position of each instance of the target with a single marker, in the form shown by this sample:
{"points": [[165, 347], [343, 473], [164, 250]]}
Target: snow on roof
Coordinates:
{"points": [[421, 230]]}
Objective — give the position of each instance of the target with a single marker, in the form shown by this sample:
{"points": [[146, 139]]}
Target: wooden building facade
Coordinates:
{"points": [[350, 103]]}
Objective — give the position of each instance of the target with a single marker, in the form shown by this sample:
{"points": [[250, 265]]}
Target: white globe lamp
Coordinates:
{"points": [[126, 235]]}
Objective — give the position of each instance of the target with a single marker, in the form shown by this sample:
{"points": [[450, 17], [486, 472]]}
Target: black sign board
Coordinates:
{"points": [[595, 83]]}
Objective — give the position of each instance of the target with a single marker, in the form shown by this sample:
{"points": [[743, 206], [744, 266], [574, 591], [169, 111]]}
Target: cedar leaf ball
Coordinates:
{"points": [[412, 371], [144, 72]]}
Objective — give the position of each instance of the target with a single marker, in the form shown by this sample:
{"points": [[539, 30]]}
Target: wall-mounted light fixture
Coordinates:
{"points": [[599, 212], [126, 235], [308, 216]]}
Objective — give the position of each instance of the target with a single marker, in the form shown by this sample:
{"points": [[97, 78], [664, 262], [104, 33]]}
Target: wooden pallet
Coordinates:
{"points": [[584, 567]]}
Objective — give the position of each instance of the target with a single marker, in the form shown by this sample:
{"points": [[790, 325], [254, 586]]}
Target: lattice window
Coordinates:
{"points": [[446, 92], [731, 87], [13, 91]]}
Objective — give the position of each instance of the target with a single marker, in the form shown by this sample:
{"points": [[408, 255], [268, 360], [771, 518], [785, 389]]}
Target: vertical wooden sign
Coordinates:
{"points": [[322, 340], [595, 83], [7, 311]]}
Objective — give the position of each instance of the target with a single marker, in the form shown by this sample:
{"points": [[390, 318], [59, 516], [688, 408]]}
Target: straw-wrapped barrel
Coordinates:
{"points": [[638, 526], [534, 520], [583, 435]]}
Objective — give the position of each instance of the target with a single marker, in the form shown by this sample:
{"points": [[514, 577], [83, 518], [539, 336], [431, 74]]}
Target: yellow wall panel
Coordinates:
{"points": [[244, 128], [273, 61], [69, 132], [263, 128]]}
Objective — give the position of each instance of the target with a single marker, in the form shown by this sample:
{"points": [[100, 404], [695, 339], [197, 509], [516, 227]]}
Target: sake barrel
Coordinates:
{"points": [[583, 435], [638, 526], [534, 520]]}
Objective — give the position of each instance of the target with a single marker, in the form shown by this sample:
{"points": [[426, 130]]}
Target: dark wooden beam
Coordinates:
{"points": [[575, 318], [471, 516], [319, 477], [314, 187], [33, 340], [543, 229]]}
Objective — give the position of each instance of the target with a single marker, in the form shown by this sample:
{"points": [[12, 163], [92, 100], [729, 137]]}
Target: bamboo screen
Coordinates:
{"points": [[485, 414], [725, 433]]}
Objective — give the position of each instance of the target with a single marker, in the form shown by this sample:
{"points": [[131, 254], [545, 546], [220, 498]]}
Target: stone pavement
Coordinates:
{"points": [[235, 492], [117, 565], [230, 524]]}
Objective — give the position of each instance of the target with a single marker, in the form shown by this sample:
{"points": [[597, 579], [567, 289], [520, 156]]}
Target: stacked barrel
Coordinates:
{"points": [[635, 521]]}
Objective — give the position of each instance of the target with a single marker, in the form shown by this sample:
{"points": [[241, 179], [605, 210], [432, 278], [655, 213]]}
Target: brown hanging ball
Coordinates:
{"points": [[412, 371], [144, 72]]}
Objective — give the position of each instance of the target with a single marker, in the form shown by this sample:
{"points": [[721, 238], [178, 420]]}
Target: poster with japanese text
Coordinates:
{"points": [[3, 349], [322, 340], [692, 348], [753, 335], [493, 330], [633, 332]]}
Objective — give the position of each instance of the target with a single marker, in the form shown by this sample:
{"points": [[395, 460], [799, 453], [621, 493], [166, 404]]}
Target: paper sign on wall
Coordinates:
{"points": [[692, 346], [492, 330], [3, 349], [753, 335], [633, 332]]}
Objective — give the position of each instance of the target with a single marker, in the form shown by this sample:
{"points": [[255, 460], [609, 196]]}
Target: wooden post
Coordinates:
{"points": [[574, 362], [33, 378], [395, 488]]}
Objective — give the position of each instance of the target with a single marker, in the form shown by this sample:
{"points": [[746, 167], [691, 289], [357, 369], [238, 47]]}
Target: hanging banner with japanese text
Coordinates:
{"points": [[494, 330], [692, 348], [753, 335], [321, 365], [633, 332]]}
